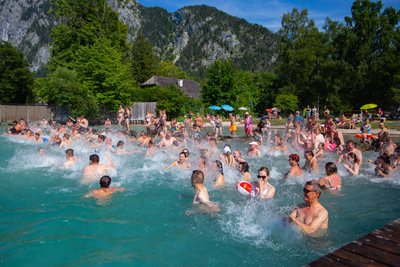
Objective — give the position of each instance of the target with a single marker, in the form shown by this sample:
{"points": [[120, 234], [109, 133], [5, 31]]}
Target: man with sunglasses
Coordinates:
{"points": [[311, 217]]}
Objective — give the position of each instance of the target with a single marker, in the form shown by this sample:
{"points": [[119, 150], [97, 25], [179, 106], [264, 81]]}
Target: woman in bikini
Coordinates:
{"points": [[332, 179]]}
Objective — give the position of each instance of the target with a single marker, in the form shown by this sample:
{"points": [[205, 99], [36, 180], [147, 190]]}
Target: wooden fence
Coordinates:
{"points": [[29, 113]]}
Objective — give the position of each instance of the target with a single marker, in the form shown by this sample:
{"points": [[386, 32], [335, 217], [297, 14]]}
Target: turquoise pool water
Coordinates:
{"points": [[45, 222]]}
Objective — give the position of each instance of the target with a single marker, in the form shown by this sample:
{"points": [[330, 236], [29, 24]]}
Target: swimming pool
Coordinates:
{"points": [[45, 222]]}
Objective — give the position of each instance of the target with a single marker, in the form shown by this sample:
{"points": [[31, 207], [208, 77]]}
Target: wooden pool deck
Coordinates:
{"points": [[378, 248]]}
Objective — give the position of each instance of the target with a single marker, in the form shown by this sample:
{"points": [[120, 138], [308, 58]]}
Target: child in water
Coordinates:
{"points": [[201, 194]]}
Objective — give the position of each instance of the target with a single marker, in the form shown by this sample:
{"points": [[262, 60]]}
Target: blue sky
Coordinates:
{"points": [[269, 12]]}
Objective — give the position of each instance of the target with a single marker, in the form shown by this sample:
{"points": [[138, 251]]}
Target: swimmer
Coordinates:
{"points": [[71, 160], [120, 150], [353, 165], [238, 156], [263, 188], [201, 194], [38, 138], [350, 147], [253, 150], [332, 179], [41, 151], [279, 145], [219, 180], [244, 171], [180, 163], [105, 191], [66, 142], [295, 169], [319, 152], [95, 169], [311, 217], [227, 156], [311, 164], [167, 141]]}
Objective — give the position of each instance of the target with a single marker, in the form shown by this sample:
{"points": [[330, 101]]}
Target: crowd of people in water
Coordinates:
{"points": [[310, 137]]}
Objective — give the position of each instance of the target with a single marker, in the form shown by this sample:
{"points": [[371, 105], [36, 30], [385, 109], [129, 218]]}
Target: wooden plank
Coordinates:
{"points": [[384, 233], [351, 259], [381, 243], [325, 261], [394, 228], [373, 253]]}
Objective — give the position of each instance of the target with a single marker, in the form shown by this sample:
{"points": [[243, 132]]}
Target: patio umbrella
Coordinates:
{"points": [[214, 107], [368, 106], [242, 108], [227, 107]]}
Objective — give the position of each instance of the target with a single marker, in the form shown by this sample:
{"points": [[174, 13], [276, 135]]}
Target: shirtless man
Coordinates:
{"points": [[350, 147], [311, 217], [201, 194], [198, 121], [94, 170], [181, 162], [253, 150], [105, 191], [71, 160]]}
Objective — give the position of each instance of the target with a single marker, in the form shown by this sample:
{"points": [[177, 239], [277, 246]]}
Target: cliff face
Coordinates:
{"points": [[193, 37]]}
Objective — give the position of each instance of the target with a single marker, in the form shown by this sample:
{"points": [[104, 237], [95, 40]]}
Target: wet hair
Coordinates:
{"points": [[309, 152], [175, 143], [354, 156], [220, 167], [245, 166], [294, 157], [151, 142], [69, 152], [265, 169], [197, 177], [102, 137], [182, 153], [120, 143], [330, 168], [94, 158], [186, 151], [66, 136], [350, 142], [105, 181]]}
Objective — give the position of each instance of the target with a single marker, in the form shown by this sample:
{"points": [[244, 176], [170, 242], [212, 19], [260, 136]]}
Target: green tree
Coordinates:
{"points": [[220, 84], [143, 59], [301, 54], [169, 98], [286, 102], [82, 23], [62, 88], [169, 69], [103, 73], [16, 80]]}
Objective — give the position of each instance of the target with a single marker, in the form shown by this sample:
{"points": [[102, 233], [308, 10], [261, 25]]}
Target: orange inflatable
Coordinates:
{"points": [[369, 136]]}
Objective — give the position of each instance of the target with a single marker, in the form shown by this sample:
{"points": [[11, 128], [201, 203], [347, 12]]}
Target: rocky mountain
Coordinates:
{"points": [[193, 37]]}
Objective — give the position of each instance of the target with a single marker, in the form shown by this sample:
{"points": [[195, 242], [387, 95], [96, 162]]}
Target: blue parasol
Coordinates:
{"points": [[227, 107], [214, 107]]}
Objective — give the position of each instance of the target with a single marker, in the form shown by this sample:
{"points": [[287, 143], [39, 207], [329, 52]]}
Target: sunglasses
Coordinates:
{"points": [[261, 176]]}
